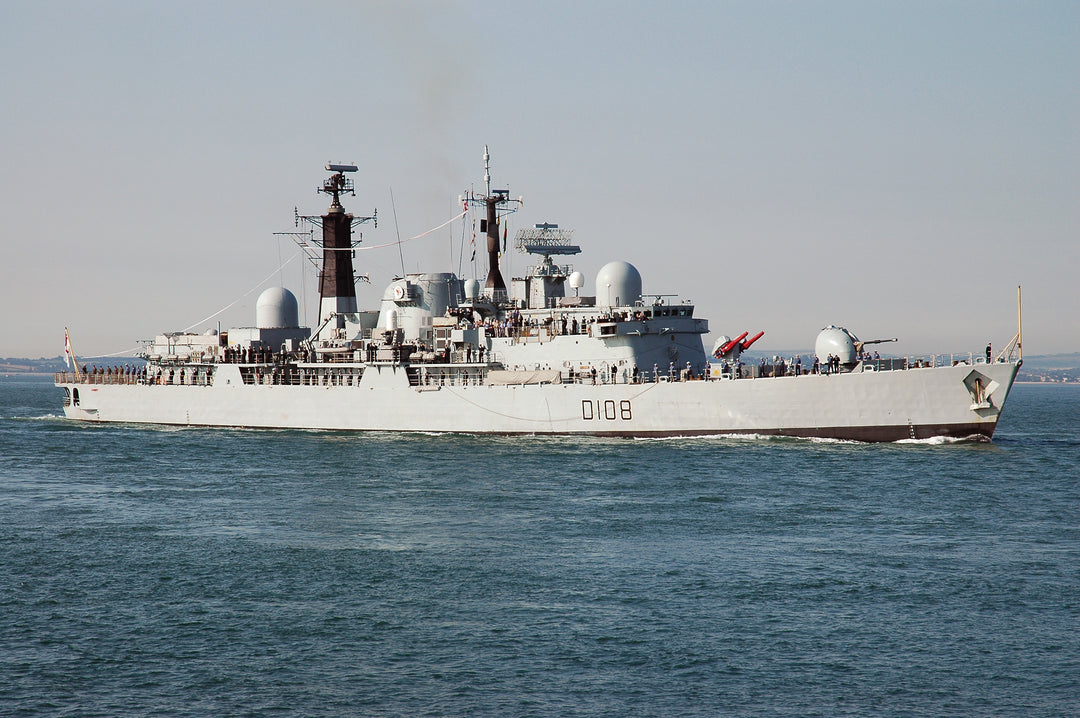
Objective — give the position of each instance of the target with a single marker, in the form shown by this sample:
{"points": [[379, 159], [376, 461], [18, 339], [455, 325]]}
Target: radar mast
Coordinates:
{"points": [[497, 204], [337, 279]]}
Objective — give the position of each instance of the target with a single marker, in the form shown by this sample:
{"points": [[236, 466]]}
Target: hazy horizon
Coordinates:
{"points": [[894, 168]]}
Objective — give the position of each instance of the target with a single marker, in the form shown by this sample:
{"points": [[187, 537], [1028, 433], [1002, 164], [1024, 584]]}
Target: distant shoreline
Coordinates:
{"points": [[1048, 383]]}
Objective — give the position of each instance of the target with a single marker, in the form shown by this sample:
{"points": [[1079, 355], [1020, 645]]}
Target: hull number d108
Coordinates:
{"points": [[607, 410]]}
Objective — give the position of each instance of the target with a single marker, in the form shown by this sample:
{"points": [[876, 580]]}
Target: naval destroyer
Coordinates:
{"points": [[446, 354]]}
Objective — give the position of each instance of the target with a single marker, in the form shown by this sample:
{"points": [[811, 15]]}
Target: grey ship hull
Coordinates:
{"points": [[951, 401]]}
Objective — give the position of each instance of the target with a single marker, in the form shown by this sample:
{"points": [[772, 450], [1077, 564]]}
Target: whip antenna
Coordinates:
{"points": [[397, 231]]}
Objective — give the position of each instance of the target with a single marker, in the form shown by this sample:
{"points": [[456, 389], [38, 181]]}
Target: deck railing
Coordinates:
{"points": [[70, 377], [477, 372]]}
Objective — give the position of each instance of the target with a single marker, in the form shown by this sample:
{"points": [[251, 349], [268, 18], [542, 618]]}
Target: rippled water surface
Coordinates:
{"points": [[195, 572]]}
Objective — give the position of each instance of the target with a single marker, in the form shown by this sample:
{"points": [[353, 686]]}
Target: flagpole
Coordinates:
{"points": [[71, 352], [1019, 323]]}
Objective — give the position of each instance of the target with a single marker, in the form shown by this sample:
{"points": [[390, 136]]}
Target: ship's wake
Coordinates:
{"points": [[941, 440], [757, 438]]}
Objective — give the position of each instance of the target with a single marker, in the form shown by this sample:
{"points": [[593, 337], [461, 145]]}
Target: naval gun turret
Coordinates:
{"points": [[841, 343]]}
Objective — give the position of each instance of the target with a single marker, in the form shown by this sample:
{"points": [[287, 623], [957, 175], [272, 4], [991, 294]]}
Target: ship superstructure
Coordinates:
{"points": [[535, 356]]}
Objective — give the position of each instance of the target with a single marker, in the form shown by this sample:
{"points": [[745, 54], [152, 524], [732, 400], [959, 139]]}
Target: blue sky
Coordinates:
{"points": [[897, 168]]}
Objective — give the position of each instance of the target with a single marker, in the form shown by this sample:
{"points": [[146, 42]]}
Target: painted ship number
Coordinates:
{"points": [[606, 411]]}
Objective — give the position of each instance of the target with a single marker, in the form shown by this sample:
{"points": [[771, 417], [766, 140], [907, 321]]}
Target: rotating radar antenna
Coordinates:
{"points": [[337, 237], [546, 240]]}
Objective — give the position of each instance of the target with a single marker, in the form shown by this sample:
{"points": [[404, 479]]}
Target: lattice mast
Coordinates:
{"points": [[337, 278]]}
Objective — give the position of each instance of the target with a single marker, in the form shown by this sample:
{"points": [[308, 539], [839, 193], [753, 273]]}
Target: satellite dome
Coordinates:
{"points": [[577, 280], [836, 341], [618, 284], [277, 309], [472, 289]]}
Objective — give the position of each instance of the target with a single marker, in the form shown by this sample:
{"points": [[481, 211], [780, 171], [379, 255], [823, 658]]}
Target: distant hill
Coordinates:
{"points": [[51, 365], [32, 366], [1051, 368], [1052, 361]]}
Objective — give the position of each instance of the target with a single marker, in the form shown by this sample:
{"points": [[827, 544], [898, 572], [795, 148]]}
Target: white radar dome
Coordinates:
{"points": [[836, 341], [277, 309], [472, 289], [577, 280], [618, 284]]}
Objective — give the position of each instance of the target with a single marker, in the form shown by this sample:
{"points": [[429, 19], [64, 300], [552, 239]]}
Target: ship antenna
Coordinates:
{"points": [[397, 231], [337, 183], [487, 171]]}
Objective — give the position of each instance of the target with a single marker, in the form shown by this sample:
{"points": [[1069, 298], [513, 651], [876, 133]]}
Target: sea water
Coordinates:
{"points": [[198, 572]]}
